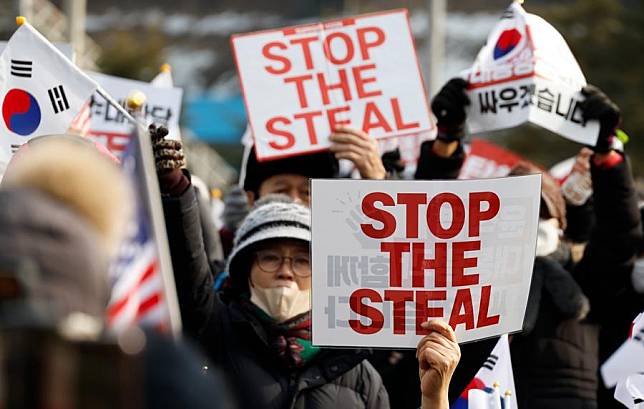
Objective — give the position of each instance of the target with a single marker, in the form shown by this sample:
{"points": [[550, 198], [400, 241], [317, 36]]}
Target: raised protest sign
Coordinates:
{"points": [[109, 126], [301, 82], [526, 72], [389, 255], [487, 160]]}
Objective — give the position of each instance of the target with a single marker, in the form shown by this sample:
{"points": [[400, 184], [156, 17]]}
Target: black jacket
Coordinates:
{"points": [[604, 272], [238, 342], [555, 356]]}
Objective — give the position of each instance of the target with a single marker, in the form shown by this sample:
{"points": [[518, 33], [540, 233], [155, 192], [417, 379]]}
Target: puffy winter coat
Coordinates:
{"points": [[238, 342], [555, 357]]}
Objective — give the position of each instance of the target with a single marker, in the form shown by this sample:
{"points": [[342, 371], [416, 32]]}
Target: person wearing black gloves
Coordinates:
{"points": [[598, 106], [604, 272], [443, 157]]}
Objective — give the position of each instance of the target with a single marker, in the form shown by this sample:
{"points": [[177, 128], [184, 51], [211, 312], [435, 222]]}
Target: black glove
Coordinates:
{"points": [[169, 159], [598, 106], [449, 108], [392, 162]]}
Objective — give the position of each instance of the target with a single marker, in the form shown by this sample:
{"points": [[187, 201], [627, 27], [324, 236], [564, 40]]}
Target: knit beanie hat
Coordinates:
{"points": [[313, 165], [275, 216], [555, 205]]}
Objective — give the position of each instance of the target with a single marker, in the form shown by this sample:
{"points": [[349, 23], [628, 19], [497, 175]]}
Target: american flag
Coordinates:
{"points": [[81, 123], [137, 285]]}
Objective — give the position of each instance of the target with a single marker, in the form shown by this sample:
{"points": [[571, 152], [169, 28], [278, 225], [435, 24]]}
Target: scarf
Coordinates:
{"points": [[291, 339]]}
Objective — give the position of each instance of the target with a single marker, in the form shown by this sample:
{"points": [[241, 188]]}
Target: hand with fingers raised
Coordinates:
{"points": [[169, 159], [359, 148], [438, 354]]}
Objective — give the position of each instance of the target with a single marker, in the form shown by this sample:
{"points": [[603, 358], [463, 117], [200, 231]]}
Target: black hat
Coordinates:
{"points": [[313, 165]]}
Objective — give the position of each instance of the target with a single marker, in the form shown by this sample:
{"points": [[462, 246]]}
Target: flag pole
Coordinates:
{"points": [[118, 106], [135, 102]]}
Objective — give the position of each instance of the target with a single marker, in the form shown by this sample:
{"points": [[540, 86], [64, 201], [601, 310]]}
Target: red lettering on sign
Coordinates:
{"points": [[399, 299], [387, 219], [379, 121], [267, 52], [395, 250], [400, 124], [361, 81], [460, 263], [424, 312], [484, 320], [434, 219], [419, 264], [305, 43], [289, 138], [411, 202], [462, 301], [342, 85], [476, 215], [365, 43], [310, 125], [348, 44], [357, 306], [299, 84], [334, 122]]}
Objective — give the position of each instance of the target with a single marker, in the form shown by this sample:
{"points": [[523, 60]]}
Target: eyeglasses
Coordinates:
{"points": [[270, 261]]}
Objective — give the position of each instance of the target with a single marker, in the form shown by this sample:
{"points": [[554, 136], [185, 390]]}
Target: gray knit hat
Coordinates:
{"points": [[275, 216]]}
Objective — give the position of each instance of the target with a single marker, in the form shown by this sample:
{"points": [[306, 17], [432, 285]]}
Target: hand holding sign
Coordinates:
{"points": [[438, 354], [356, 146]]}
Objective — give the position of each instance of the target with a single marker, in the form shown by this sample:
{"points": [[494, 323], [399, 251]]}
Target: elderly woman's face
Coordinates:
{"points": [[280, 262]]}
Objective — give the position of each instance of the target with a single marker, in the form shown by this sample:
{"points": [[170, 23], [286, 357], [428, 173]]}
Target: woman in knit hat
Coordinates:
{"points": [[259, 328]]}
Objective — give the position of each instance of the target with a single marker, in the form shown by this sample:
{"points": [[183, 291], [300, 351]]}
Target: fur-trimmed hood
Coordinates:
{"points": [[72, 171]]}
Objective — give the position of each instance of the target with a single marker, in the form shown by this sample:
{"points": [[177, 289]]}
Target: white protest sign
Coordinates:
{"points": [[473, 245], [630, 392], [301, 82], [109, 126], [526, 72], [628, 359]]}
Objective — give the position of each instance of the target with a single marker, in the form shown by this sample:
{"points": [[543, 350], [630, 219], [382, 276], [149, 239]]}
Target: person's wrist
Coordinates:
{"points": [[440, 401], [607, 159], [375, 174], [444, 149], [174, 182]]}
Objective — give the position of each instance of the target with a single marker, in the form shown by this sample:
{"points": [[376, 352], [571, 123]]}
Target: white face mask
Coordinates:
{"points": [[281, 303], [547, 237]]}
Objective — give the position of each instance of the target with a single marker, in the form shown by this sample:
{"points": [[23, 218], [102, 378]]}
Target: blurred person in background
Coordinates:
{"points": [[556, 358], [63, 209]]}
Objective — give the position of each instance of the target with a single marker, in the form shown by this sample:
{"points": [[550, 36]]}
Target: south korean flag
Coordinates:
{"points": [[41, 90]]}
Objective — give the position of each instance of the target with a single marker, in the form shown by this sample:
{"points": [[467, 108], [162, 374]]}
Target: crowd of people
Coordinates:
{"points": [[244, 291]]}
